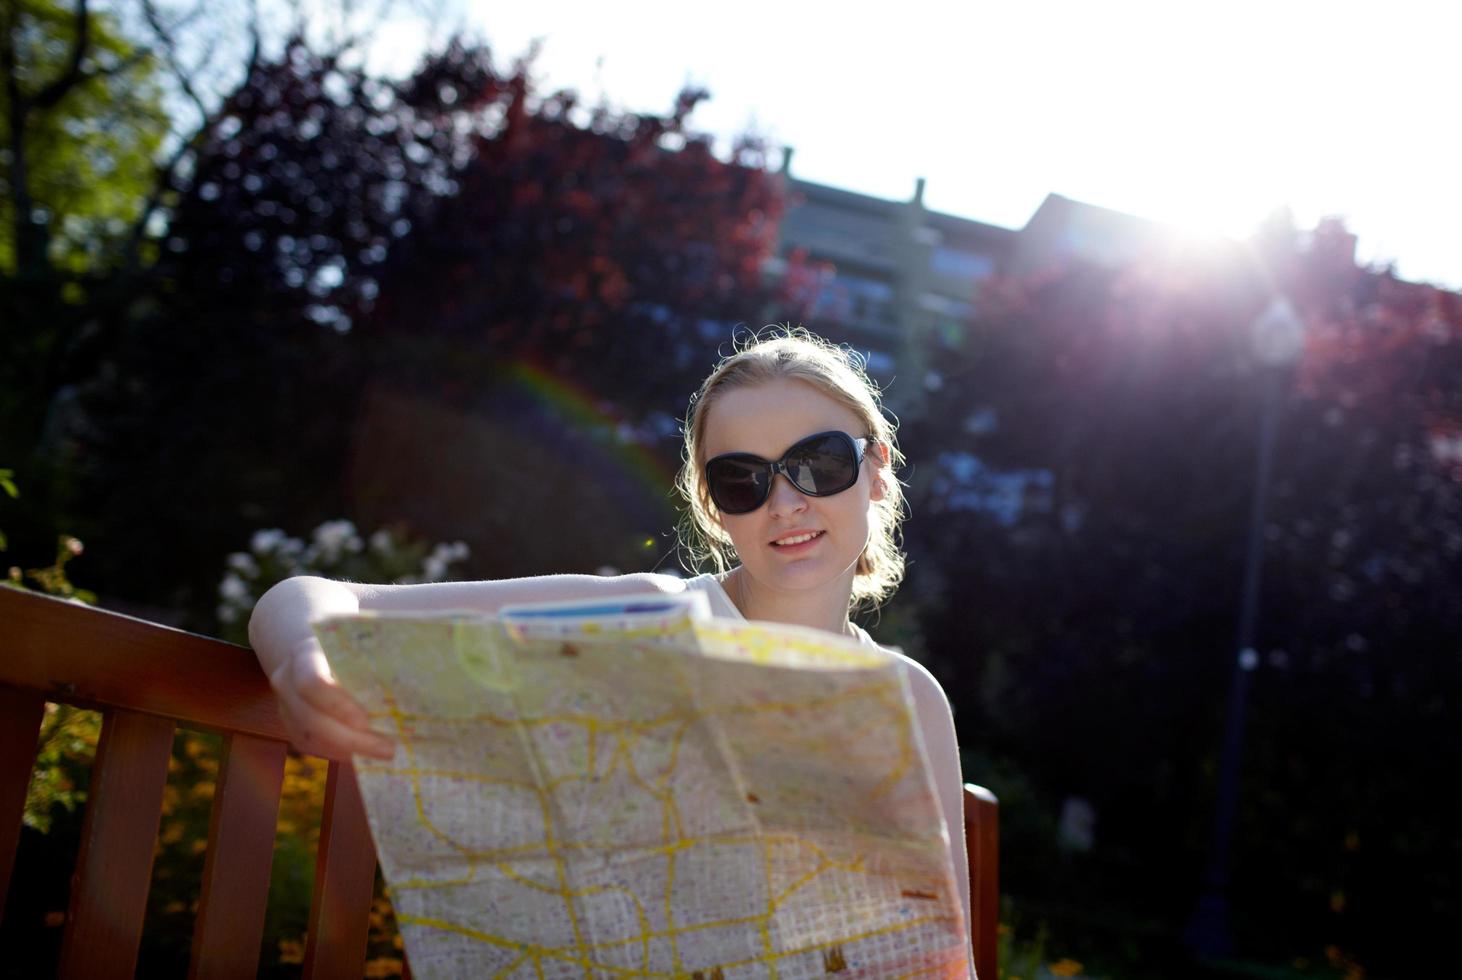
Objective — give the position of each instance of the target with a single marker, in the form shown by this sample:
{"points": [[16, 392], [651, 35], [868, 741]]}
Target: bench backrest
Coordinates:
{"points": [[148, 680]]}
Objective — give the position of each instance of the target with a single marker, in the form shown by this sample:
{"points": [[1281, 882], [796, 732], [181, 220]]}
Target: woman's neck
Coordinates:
{"points": [[824, 609]]}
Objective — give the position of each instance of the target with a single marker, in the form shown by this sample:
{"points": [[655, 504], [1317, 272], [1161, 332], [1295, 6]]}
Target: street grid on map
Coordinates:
{"points": [[675, 800]]}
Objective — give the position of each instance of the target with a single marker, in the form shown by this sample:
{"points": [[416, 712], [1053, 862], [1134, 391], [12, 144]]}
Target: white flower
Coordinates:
{"points": [[264, 542], [227, 614], [233, 588], [331, 538], [244, 564], [448, 553], [433, 569], [381, 541]]}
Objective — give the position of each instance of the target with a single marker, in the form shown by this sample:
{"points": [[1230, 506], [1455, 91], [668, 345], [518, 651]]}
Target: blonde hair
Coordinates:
{"points": [[797, 354]]}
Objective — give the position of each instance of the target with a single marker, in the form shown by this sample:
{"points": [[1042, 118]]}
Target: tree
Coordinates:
{"points": [[1088, 470], [81, 121], [344, 239]]}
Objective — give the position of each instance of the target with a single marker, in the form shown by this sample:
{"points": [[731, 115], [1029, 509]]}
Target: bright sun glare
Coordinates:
{"points": [[1209, 118]]}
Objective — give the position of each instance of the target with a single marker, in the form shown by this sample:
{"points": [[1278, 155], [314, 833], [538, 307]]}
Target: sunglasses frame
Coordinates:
{"points": [[859, 446]]}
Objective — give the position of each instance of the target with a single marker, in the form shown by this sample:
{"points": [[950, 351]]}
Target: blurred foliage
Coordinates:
{"points": [[1086, 474], [85, 146], [335, 550], [64, 748], [172, 902], [344, 240]]}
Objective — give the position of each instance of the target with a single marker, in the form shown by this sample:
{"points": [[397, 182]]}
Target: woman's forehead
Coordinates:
{"points": [[766, 419]]}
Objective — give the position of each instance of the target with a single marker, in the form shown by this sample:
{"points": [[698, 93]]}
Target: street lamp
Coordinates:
{"points": [[1278, 338]]}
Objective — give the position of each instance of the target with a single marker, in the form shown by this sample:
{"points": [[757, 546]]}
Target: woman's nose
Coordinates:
{"points": [[784, 497]]}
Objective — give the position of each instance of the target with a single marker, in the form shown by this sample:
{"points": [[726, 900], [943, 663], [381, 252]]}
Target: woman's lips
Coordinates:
{"points": [[797, 542]]}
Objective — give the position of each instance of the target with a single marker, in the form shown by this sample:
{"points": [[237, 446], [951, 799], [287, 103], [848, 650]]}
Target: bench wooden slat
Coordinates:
{"points": [[982, 840], [118, 837], [235, 890], [345, 880], [20, 723], [95, 658]]}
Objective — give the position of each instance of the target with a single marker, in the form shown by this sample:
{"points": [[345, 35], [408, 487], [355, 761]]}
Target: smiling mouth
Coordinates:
{"points": [[795, 539]]}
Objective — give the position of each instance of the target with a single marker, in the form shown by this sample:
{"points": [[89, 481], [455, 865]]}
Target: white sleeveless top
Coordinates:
{"points": [[723, 607]]}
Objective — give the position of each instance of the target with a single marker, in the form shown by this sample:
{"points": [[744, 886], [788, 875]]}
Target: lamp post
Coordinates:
{"points": [[1278, 338]]}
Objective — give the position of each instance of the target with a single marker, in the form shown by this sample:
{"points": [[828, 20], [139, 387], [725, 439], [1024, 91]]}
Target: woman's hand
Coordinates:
{"points": [[320, 717]]}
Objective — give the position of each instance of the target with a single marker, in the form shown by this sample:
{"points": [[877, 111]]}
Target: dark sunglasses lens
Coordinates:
{"points": [[823, 464], [737, 486]]}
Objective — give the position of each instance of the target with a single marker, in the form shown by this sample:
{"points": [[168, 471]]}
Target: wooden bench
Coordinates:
{"points": [[147, 680]]}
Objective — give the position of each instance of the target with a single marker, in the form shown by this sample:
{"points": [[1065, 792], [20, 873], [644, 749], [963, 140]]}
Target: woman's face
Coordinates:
{"points": [[793, 542]]}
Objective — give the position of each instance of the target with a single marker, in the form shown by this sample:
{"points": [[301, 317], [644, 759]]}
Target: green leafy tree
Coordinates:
{"points": [[1085, 478], [81, 122], [346, 242]]}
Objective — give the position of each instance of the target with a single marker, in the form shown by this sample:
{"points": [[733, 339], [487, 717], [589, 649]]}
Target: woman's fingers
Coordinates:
{"points": [[319, 715], [310, 678], [319, 734]]}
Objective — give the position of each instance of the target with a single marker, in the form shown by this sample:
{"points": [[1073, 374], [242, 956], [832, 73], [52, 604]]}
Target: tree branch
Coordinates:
{"points": [[167, 170], [58, 88], [170, 53]]}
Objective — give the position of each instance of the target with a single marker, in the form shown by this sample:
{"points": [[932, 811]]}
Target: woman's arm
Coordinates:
{"points": [[324, 720], [936, 722]]}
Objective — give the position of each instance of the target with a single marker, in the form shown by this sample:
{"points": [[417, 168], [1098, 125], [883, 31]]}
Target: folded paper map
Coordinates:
{"points": [[635, 790]]}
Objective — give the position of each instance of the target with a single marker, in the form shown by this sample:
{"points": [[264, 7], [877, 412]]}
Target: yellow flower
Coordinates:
{"points": [[291, 951], [1065, 968], [383, 966]]}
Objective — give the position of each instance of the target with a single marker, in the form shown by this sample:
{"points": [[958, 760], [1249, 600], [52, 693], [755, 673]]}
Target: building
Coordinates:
{"points": [[901, 279]]}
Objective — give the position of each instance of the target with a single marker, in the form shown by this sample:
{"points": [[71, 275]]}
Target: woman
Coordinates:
{"points": [[804, 549]]}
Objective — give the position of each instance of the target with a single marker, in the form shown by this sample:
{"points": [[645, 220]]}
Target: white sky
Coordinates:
{"points": [[1207, 115]]}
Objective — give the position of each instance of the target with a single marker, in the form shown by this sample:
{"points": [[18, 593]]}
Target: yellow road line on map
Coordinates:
{"points": [[685, 844], [744, 920], [673, 762], [463, 775], [644, 920], [765, 927], [845, 940], [533, 949], [503, 973], [550, 841], [769, 960], [874, 689], [670, 910], [627, 734], [421, 805]]}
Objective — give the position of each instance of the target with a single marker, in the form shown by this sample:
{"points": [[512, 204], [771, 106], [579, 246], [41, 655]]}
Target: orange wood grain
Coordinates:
{"points": [[94, 658], [982, 839], [118, 834], [345, 878], [235, 892]]}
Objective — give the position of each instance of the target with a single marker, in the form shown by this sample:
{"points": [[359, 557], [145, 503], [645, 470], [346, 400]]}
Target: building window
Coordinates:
{"points": [[854, 299], [955, 263]]}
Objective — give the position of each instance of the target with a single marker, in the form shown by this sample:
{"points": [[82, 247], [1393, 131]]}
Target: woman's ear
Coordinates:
{"points": [[878, 452]]}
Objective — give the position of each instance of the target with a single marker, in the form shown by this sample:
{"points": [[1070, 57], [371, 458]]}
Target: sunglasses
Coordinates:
{"points": [[819, 466]]}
